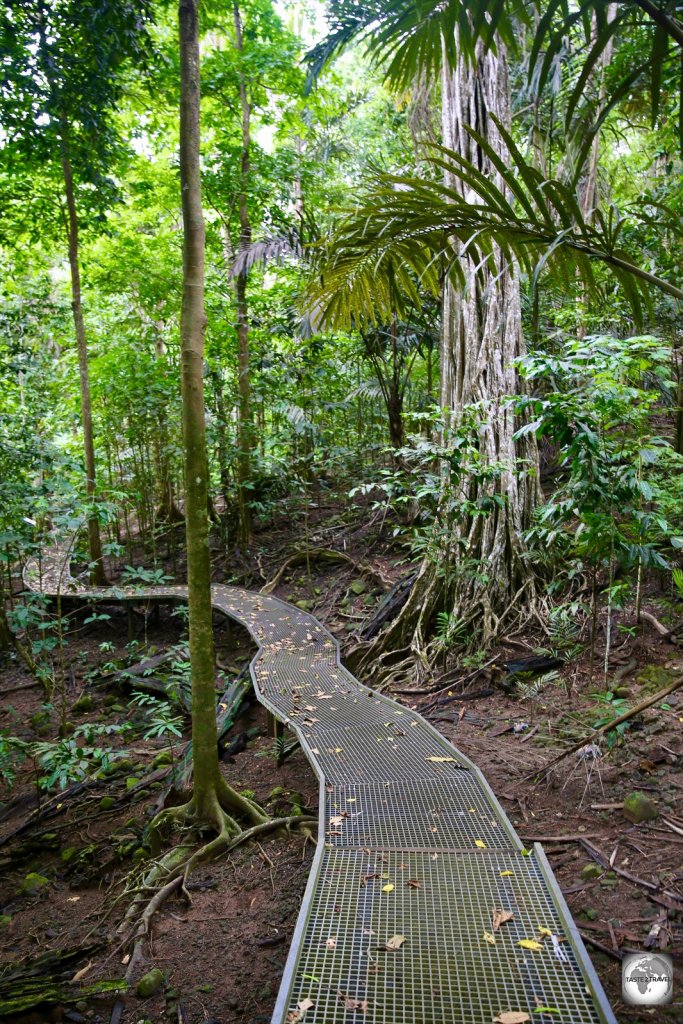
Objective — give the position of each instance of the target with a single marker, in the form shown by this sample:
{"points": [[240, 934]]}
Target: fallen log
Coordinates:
{"points": [[389, 607]]}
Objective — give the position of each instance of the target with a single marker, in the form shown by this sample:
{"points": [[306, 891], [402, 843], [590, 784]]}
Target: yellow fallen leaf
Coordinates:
{"points": [[338, 750], [440, 760], [545, 933], [351, 800], [505, 874], [472, 810], [489, 938], [394, 943], [530, 944], [388, 888], [480, 843]]}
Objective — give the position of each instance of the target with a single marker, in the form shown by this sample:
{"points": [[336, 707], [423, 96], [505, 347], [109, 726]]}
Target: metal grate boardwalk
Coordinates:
{"points": [[412, 843]]}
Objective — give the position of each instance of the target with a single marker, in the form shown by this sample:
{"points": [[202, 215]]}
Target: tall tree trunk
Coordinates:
{"points": [[210, 790], [97, 576], [245, 424], [475, 569]]}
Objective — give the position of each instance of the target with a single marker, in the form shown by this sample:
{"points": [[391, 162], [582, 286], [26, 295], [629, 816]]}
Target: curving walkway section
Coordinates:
{"points": [[415, 854]]}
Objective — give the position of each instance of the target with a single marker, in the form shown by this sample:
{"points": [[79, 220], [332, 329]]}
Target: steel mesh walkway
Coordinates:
{"points": [[412, 843]]}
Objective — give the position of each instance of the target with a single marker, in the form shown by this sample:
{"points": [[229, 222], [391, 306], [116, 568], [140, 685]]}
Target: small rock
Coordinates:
{"points": [[33, 883], [150, 983], [162, 759], [591, 871], [638, 807]]}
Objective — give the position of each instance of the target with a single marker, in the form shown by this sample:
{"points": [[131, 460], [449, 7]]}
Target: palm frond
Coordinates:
{"points": [[409, 233], [408, 37], [589, 30]]}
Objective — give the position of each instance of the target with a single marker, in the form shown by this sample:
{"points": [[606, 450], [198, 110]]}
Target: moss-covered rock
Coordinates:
{"points": [[83, 704], [358, 587], [638, 807], [107, 802], [589, 871], [150, 983], [68, 854], [655, 677], [131, 781], [162, 759], [5, 921], [33, 884]]}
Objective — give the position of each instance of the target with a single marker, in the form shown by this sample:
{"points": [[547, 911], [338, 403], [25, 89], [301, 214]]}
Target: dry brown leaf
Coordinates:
{"points": [[414, 883], [338, 818], [499, 917], [394, 943], [512, 1017], [351, 1003]]}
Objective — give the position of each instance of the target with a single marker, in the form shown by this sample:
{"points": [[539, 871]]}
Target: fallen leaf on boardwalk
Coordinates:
{"points": [[351, 800], [414, 883], [500, 917], [545, 933], [440, 760], [296, 1015], [368, 931], [530, 944], [331, 942], [489, 938], [512, 1017], [338, 750], [351, 1003], [505, 874], [366, 878], [388, 888], [546, 1009], [394, 943], [480, 843], [338, 818]]}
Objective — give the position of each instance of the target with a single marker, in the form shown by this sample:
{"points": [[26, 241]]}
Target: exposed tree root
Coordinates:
{"points": [[324, 555], [170, 874], [405, 653]]}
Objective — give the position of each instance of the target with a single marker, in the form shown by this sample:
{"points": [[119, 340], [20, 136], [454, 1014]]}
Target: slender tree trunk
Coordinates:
{"points": [[97, 576], [245, 422], [210, 790]]}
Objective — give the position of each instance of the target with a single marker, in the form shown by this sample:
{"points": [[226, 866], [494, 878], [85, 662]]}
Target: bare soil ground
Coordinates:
{"points": [[222, 954]]}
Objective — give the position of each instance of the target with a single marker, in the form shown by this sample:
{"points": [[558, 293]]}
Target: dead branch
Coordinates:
{"points": [[597, 733], [655, 623]]}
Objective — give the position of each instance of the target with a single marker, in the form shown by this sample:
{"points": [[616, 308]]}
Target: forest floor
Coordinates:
{"points": [[222, 955]]}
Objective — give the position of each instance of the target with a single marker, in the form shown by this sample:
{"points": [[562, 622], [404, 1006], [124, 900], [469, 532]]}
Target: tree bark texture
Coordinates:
{"points": [[192, 327]]}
